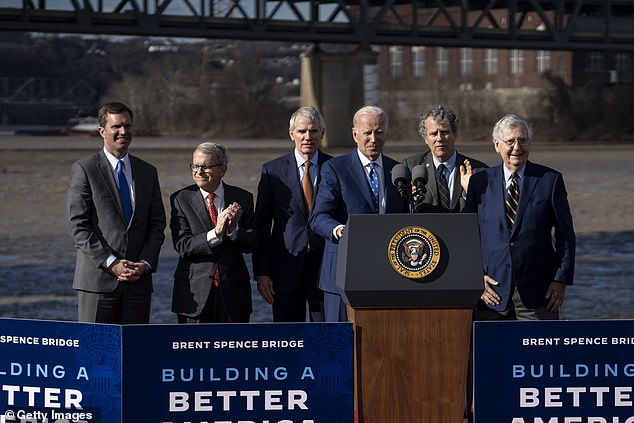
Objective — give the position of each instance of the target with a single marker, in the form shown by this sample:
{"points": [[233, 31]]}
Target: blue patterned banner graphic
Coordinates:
{"points": [[554, 371], [59, 371], [247, 373]]}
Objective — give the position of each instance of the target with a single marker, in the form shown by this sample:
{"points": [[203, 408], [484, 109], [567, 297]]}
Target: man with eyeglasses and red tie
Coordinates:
{"points": [[212, 225], [526, 230]]}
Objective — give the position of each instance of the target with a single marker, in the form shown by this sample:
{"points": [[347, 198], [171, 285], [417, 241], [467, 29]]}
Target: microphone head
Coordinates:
{"points": [[401, 173], [419, 174]]}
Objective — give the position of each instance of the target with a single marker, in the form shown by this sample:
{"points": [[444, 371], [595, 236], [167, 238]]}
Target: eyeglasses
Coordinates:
{"points": [[511, 143], [205, 168]]}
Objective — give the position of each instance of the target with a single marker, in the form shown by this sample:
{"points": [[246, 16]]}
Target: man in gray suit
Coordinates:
{"points": [[448, 171], [212, 226], [117, 222]]}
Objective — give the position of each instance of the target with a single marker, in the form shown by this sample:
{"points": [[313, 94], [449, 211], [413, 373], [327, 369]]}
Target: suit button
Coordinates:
{"points": [[508, 265], [124, 252], [512, 243]]}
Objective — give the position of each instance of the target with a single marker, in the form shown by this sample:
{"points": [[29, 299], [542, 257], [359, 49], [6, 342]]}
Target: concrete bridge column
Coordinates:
{"points": [[338, 84]]}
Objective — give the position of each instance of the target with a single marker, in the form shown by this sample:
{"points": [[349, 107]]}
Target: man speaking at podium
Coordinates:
{"points": [[354, 183], [448, 170]]}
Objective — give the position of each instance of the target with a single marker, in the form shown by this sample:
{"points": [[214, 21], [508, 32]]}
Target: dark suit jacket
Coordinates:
{"points": [[529, 255], [282, 224], [197, 261], [97, 222], [431, 202], [344, 190]]}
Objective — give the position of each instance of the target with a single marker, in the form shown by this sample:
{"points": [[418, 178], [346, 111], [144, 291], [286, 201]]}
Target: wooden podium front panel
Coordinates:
{"points": [[411, 364]]}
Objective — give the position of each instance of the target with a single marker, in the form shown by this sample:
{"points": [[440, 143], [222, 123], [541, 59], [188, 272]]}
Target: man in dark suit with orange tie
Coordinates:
{"points": [[526, 230], [358, 182], [117, 219], [288, 255], [212, 226]]}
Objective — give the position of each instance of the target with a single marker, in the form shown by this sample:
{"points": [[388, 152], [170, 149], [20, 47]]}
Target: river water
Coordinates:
{"points": [[37, 258]]}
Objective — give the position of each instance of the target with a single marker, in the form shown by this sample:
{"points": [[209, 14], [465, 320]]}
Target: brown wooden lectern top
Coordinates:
{"points": [[412, 332]]}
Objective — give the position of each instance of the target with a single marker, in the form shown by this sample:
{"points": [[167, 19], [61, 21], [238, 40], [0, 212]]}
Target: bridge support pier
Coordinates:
{"points": [[338, 84]]}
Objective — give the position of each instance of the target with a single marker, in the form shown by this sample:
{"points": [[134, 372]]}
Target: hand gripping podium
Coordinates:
{"points": [[410, 282]]}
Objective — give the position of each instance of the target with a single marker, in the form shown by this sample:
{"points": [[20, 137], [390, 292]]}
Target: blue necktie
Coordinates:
{"points": [[374, 185], [124, 191]]}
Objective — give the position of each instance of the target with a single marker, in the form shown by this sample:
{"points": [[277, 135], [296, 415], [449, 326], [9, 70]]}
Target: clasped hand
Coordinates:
{"points": [[128, 271], [228, 219]]}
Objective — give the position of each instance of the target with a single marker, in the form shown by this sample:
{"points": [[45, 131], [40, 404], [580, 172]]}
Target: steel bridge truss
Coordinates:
{"points": [[520, 24]]}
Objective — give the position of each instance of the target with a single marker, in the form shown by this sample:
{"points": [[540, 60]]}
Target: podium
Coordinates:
{"points": [[410, 282]]}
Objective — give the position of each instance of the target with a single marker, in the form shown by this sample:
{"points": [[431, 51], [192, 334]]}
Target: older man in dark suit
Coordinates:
{"points": [[526, 231], [358, 182], [212, 226], [286, 261], [448, 171], [117, 219]]}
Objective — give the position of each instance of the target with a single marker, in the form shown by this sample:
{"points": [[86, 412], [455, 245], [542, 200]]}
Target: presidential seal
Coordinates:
{"points": [[414, 252]]}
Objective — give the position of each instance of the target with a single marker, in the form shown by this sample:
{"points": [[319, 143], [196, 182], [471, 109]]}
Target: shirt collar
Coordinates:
{"points": [[450, 163], [299, 159], [365, 161], [113, 160], [220, 192], [508, 173]]}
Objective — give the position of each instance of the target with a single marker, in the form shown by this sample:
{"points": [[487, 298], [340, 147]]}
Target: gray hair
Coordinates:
{"points": [[218, 151], [441, 114], [309, 112], [370, 110], [510, 121]]}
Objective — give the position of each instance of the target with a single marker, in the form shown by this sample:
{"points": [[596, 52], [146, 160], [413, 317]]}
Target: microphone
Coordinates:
{"points": [[401, 179], [419, 178]]}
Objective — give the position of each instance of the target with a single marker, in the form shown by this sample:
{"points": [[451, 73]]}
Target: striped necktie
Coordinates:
{"points": [[443, 188], [512, 201]]}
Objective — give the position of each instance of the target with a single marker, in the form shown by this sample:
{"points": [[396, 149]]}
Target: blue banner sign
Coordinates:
{"points": [[554, 371], [59, 372], [238, 373]]}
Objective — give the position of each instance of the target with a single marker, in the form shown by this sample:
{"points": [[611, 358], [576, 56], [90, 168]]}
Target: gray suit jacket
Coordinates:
{"points": [[97, 223], [431, 202], [198, 262]]}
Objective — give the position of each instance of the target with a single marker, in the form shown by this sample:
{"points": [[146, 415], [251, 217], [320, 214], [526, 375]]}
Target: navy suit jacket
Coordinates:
{"points": [[197, 261], [281, 219], [541, 247], [344, 190]]}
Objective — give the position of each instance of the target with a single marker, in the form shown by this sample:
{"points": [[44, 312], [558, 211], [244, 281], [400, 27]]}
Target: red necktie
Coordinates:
{"points": [[213, 214]]}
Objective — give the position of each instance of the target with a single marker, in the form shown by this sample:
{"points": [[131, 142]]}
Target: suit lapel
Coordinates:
{"points": [[103, 165], [457, 187], [357, 172], [292, 181], [432, 186], [497, 188], [527, 188], [199, 207], [393, 201]]}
